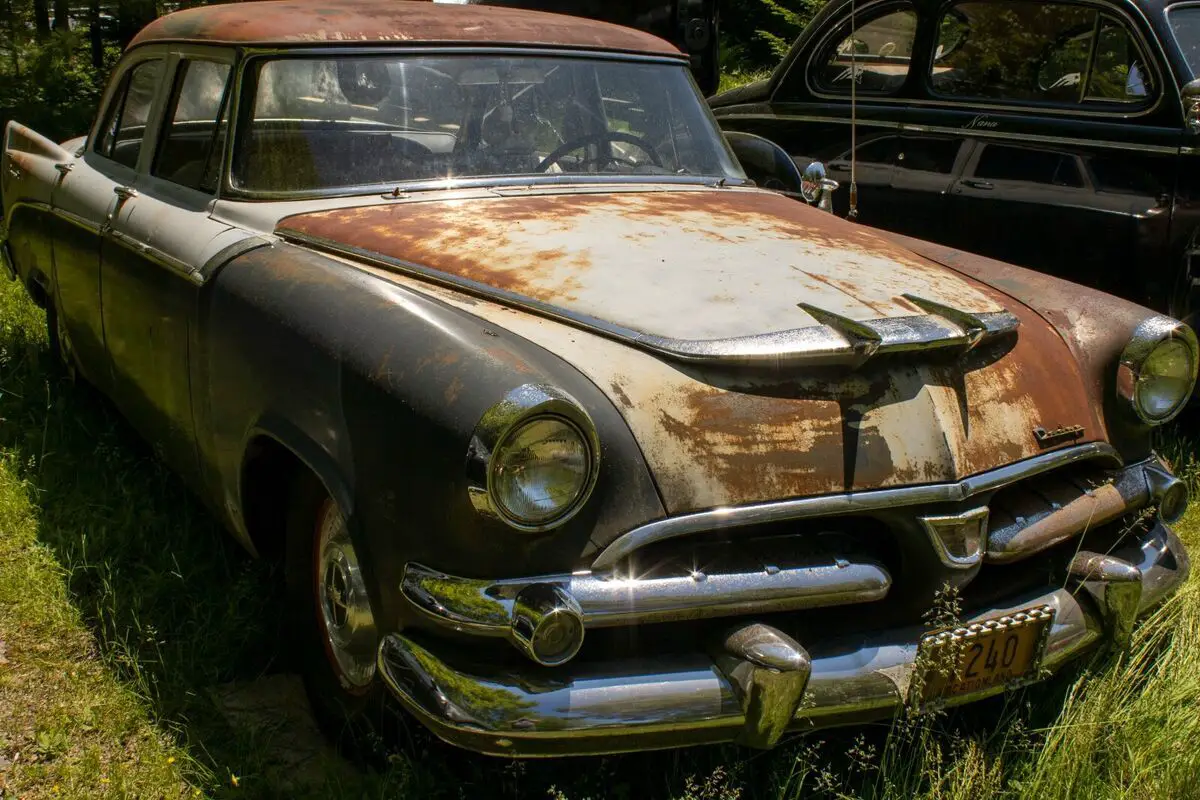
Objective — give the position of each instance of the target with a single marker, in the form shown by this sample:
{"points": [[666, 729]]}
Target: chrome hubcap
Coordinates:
{"points": [[349, 626]]}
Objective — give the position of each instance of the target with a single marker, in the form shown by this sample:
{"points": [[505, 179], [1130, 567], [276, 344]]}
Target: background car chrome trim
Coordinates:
{"points": [[849, 503], [831, 343], [639, 704], [978, 133], [486, 607], [521, 405], [1148, 335]]}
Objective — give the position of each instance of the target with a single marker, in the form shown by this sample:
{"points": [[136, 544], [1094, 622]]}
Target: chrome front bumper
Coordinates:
{"points": [[756, 683]]}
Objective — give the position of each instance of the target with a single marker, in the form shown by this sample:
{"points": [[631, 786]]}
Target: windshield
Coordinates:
{"points": [[317, 125], [1185, 24]]}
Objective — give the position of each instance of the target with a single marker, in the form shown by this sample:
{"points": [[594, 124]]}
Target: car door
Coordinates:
{"points": [[1074, 140], [923, 177], [90, 193], [809, 114], [152, 272]]}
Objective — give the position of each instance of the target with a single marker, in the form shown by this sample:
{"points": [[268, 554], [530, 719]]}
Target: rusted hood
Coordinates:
{"points": [[681, 267]]}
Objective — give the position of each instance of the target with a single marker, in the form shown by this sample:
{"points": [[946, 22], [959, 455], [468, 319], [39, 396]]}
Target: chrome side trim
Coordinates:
{"points": [[976, 133], [836, 341], [690, 698], [848, 503], [486, 607], [169, 263]]}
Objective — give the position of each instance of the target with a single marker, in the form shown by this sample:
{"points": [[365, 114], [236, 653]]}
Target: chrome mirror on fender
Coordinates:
{"points": [[1190, 95], [816, 188]]}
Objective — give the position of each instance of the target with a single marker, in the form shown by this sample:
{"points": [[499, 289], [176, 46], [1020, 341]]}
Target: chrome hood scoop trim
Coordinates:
{"points": [[839, 341]]}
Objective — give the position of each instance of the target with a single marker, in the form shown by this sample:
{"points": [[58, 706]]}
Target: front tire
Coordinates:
{"points": [[333, 625]]}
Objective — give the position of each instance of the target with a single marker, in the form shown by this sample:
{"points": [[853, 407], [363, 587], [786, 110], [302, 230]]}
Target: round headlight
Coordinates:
{"points": [[540, 471], [1157, 371], [1164, 381]]}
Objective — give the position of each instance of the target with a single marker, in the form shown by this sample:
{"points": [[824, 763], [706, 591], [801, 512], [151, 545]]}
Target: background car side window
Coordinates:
{"points": [[1001, 163], [124, 128], [878, 54], [1019, 50], [194, 136], [1119, 73]]}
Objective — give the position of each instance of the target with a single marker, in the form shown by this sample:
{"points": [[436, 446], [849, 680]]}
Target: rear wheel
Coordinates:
{"points": [[333, 625]]}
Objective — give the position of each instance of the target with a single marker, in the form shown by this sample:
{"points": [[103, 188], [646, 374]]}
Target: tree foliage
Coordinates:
{"points": [[756, 34]]}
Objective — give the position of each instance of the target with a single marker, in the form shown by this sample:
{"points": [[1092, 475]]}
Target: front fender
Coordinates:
{"points": [[385, 386], [1095, 326]]}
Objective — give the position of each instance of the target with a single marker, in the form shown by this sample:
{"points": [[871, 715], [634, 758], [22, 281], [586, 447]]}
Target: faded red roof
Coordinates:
{"points": [[281, 22]]}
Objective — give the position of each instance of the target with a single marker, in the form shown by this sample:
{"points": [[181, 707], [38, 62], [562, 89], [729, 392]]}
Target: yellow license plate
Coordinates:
{"points": [[1004, 651]]}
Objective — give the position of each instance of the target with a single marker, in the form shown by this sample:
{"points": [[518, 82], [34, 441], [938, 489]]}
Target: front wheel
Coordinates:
{"points": [[333, 625]]}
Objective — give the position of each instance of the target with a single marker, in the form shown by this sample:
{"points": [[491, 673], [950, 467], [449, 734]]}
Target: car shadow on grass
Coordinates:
{"points": [[188, 619]]}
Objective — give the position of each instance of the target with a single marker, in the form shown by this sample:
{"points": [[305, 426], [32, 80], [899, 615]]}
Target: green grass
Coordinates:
{"points": [[124, 608]]}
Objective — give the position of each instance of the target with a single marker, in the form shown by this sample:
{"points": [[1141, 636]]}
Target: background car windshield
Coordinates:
{"points": [[329, 124]]}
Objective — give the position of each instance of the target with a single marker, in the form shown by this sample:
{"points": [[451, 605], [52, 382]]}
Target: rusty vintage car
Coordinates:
{"points": [[572, 440]]}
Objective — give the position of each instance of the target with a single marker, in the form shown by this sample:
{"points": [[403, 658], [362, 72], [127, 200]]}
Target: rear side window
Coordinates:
{"points": [[1027, 51], [876, 55], [194, 135], [125, 120], [1001, 163]]}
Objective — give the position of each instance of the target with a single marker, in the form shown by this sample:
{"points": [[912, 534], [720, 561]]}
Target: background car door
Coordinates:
{"points": [[85, 203], [1074, 143], [152, 273]]}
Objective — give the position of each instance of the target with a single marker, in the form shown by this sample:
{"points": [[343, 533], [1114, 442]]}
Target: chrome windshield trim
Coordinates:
{"points": [[847, 503], [832, 342], [400, 190]]}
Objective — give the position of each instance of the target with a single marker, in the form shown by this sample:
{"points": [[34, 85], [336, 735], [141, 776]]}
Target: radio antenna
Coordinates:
{"points": [[853, 213]]}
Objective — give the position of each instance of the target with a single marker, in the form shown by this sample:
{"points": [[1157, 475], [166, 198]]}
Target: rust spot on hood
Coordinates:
{"points": [[391, 21], [681, 264]]}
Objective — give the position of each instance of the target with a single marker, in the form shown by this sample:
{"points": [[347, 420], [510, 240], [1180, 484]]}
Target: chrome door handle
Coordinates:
{"points": [[124, 192], [977, 184], [64, 167]]}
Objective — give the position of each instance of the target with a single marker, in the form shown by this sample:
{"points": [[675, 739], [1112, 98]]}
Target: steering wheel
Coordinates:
{"points": [[599, 138]]}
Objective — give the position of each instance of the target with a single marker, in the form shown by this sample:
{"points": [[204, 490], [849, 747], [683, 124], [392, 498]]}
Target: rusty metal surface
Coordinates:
{"points": [[686, 265], [714, 439], [290, 22]]}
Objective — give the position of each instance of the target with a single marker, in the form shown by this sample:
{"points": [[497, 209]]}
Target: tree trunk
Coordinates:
{"points": [[62, 15], [96, 34], [41, 18], [132, 16]]}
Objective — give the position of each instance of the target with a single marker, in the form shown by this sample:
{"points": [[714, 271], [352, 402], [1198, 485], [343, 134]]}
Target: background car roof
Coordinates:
{"points": [[293, 22]]}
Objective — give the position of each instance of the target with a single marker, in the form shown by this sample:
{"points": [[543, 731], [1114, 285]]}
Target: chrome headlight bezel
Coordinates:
{"points": [[1151, 334], [521, 406]]}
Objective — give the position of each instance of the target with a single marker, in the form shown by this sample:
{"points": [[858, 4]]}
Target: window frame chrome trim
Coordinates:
{"points": [[943, 101], [848, 503]]}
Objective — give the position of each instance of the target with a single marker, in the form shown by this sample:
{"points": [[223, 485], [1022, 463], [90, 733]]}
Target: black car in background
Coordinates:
{"points": [[1061, 136]]}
